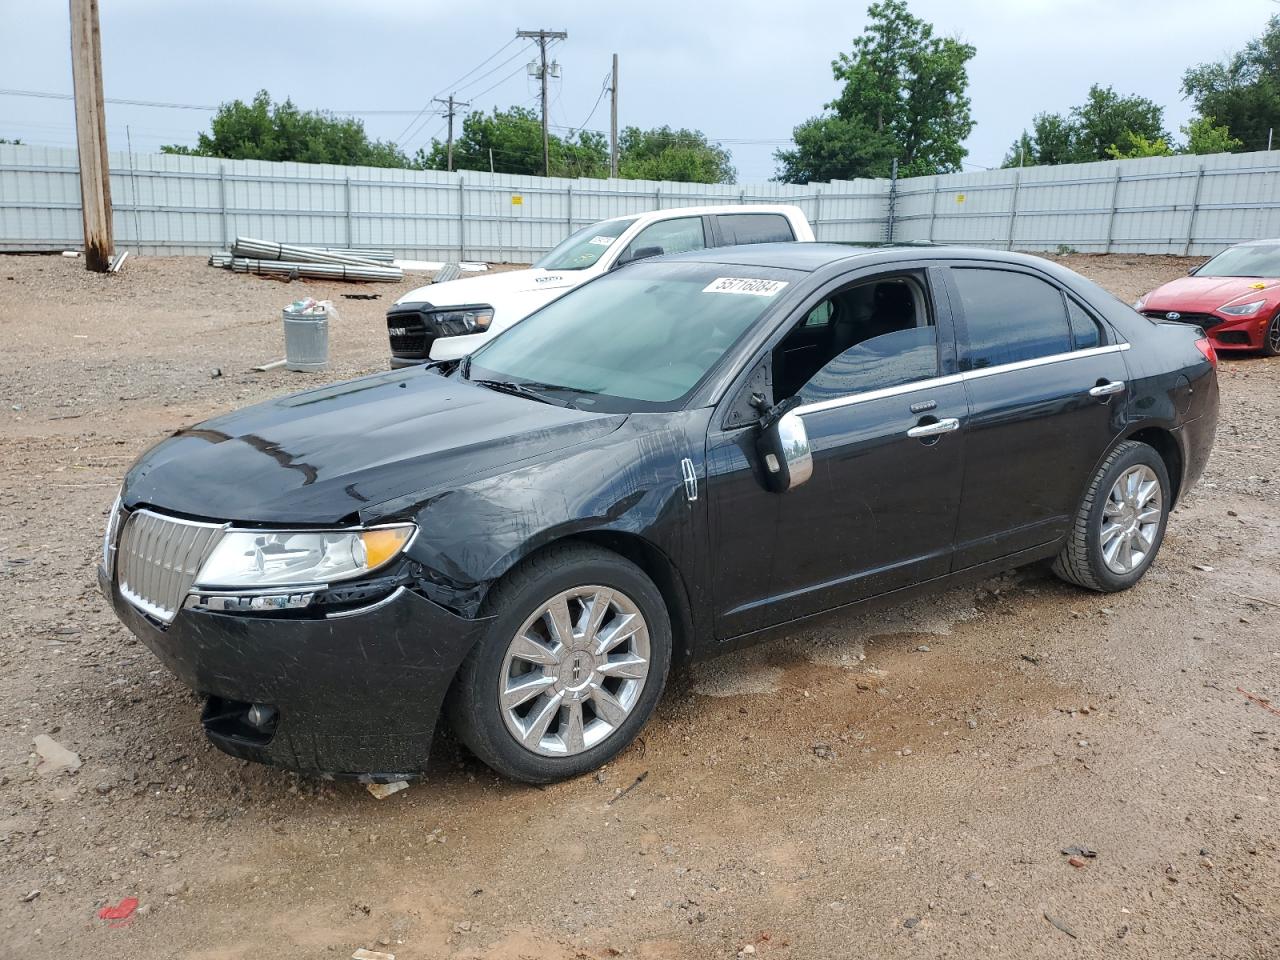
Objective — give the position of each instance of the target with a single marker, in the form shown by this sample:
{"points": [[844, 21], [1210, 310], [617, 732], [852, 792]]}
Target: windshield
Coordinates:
{"points": [[1253, 260], [637, 339], [582, 249]]}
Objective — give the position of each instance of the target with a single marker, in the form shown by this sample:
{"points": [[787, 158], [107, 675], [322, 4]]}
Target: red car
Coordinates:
{"points": [[1235, 297]]}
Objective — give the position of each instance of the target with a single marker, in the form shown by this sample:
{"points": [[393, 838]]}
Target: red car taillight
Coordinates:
{"points": [[1205, 346]]}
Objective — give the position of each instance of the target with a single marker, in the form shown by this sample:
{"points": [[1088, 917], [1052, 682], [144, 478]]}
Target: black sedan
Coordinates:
{"points": [[681, 456]]}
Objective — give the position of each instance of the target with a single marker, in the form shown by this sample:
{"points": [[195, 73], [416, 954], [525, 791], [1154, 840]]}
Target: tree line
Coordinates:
{"points": [[505, 141], [903, 97]]}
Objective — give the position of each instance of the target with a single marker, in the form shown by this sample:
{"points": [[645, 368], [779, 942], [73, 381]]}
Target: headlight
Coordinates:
{"points": [[462, 320], [1243, 309], [269, 558]]}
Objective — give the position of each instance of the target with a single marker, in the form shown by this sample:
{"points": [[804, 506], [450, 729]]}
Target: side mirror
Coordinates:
{"points": [[784, 448], [642, 253]]}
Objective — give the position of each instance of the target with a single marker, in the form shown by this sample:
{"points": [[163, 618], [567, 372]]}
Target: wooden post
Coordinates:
{"points": [[613, 121], [91, 135]]}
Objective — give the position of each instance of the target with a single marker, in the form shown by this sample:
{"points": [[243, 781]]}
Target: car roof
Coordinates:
{"points": [[809, 257], [789, 209], [1261, 242]]}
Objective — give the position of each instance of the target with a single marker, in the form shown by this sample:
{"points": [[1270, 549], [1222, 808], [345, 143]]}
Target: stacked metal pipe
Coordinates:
{"points": [[329, 271], [268, 258]]}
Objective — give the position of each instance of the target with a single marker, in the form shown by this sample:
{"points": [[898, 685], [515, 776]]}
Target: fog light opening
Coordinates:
{"points": [[261, 716]]}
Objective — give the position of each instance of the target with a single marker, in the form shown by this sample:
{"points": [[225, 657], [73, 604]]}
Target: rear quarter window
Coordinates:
{"points": [[754, 228]]}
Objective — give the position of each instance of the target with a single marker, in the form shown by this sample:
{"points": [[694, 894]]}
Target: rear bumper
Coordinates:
{"points": [[356, 696]]}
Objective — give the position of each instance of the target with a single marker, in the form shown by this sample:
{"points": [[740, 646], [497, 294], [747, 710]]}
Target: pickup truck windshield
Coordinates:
{"points": [[634, 340], [582, 249]]}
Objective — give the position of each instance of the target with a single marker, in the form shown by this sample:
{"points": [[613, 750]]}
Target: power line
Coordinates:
{"points": [[405, 133], [477, 96], [604, 88], [50, 95]]}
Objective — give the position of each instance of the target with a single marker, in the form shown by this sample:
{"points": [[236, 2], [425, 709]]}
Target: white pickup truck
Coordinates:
{"points": [[445, 321]]}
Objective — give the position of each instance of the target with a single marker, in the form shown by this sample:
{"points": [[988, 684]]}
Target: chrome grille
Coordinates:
{"points": [[158, 559]]}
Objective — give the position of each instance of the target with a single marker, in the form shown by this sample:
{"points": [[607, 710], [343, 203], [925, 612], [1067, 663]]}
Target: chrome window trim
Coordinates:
{"points": [[953, 378]]}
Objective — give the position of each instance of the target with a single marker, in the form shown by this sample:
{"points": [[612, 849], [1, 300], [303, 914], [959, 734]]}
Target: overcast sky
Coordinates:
{"points": [[747, 71]]}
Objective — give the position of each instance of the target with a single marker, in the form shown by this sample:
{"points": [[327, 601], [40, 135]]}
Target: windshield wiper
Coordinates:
{"points": [[530, 391]]}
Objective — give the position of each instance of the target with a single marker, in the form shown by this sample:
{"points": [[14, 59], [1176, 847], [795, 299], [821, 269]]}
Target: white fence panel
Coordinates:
{"points": [[194, 205]]}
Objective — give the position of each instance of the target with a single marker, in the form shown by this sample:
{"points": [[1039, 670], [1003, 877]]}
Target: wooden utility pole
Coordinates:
{"points": [[91, 135], [451, 104], [542, 36], [613, 120]]}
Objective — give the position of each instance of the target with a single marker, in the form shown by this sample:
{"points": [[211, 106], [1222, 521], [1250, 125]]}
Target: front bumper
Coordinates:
{"points": [[358, 696], [1226, 333], [417, 332]]}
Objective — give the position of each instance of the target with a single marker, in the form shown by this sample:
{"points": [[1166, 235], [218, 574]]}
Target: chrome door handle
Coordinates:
{"points": [[1107, 389], [950, 425]]}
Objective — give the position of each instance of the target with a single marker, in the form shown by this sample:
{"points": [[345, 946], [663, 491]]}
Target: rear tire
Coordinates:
{"points": [[1121, 522], [571, 668]]}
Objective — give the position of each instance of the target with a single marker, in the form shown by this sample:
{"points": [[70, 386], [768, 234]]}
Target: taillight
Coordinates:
{"points": [[1205, 346]]}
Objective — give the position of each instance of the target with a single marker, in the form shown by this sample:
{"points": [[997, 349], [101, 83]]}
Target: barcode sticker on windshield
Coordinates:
{"points": [[602, 241], [756, 288]]}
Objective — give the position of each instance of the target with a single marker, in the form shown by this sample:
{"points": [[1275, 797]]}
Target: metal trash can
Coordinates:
{"points": [[306, 340]]}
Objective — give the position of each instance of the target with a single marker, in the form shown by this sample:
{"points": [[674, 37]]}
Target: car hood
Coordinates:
{"points": [[1206, 294], [493, 287], [326, 454]]}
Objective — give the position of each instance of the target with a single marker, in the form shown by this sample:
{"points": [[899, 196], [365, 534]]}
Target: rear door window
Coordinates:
{"points": [[754, 228], [1009, 317]]}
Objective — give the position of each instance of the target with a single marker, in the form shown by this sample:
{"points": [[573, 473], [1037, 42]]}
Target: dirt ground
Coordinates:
{"points": [[891, 785]]}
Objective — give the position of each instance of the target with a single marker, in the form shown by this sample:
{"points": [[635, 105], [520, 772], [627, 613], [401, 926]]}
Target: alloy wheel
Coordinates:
{"points": [[1273, 334], [574, 671], [1131, 519]]}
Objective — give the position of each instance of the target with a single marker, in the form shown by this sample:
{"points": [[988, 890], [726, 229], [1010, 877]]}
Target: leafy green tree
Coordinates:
{"points": [[1204, 136], [1136, 145], [515, 138], [679, 155], [263, 130], [1089, 131], [1052, 139], [16, 143], [1106, 119], [904, 96], [1241, 92]]}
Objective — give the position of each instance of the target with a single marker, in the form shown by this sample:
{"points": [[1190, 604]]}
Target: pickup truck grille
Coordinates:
{"points": [[408, 334], [158, 559]]}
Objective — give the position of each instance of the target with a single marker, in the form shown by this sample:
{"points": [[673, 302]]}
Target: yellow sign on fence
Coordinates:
{"points": [[516, 200]]}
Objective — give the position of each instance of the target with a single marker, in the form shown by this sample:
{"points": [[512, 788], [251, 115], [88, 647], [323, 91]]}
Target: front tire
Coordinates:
{"points": [[571, 668], [1271, 337], [1121, 522]]}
